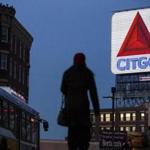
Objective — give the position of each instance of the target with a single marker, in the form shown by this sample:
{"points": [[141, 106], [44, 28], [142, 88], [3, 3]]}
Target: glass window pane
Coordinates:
{"points": [[107, 116], [3, 61], [142, 116], [4, 33], [12, 117], [5, 114], [133, 116], [102, 117], [121, 117], [128, 116]]}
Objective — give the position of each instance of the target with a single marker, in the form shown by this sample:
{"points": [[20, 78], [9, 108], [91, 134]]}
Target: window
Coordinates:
{"points": [[133, 116], [12, 117], [4, 33], [18, 46], [14, 44], [142, 128], [128, 116], [92, 117], [121, 117], [142, 116], [127, 129], [102, 117], [15, 70], [107, 117], [20, 50], [34, 130], [23, 127], [121, 128], [28, 125], [5, 114], [3, 61], [10, 67], [133, 128], [23, 76], [20, 71], [24, 53]]}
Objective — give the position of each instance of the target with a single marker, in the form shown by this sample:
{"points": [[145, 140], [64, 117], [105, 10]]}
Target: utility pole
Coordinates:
{"points": [[113, 91]]}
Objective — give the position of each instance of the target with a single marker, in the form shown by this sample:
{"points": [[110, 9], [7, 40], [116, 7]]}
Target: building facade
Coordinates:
{"points": [[129, 119], [15, 44], [19, 123]]}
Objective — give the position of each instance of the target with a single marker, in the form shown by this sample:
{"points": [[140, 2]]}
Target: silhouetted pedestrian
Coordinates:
{"points": [[77, 81]]}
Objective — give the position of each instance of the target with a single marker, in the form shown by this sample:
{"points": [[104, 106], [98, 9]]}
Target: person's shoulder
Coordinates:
{"points": [[68, 70], [89, 71]]}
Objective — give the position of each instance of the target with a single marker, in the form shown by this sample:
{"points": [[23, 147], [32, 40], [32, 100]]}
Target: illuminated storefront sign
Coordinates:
{"points": [[131, 41]]}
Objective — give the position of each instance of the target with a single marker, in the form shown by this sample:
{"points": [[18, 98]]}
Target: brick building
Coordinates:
{"points": [[15, 44]]}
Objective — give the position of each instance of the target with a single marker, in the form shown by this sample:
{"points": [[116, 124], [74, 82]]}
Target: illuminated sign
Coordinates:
{"points": [[131, 41]]}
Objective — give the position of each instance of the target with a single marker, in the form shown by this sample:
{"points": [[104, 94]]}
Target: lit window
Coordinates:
{"points": [[102, 128], [4, 33], [127, 129], [107, 116], [121, 117], [3, 62], [142, 116], [133, 128], [107, 128], [102, 117], [121, 128], [128, 116], [133, 116]]}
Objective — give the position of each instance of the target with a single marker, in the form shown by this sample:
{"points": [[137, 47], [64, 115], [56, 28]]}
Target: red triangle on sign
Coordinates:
{"points": [[137, 40]]}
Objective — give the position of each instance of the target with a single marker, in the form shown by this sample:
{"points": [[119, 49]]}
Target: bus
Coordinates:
{"points": [[19, 123]]}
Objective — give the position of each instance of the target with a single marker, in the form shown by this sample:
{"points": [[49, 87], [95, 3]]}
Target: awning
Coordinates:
{"points": [[7, 133]]}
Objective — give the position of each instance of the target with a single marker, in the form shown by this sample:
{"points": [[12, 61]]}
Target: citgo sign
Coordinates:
{"points": [[130, 45]]}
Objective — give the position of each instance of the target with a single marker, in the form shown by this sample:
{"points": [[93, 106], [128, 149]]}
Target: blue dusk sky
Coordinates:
{"points": [[61, 28]]}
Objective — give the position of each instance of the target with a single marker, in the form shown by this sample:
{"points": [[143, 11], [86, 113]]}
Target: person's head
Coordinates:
{"points": [[79, 59]]}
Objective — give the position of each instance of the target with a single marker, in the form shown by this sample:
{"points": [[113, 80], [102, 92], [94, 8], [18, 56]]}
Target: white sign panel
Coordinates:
{"points": [[130, 41]]}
